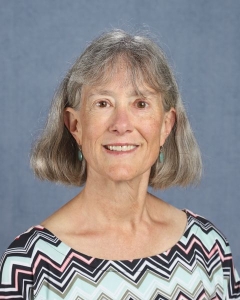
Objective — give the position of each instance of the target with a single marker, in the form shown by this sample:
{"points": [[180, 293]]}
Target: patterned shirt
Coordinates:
{"points": [[37, 265]]}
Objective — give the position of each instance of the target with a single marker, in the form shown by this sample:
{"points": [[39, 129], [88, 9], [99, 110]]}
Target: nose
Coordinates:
{"points": [[121, 121]]}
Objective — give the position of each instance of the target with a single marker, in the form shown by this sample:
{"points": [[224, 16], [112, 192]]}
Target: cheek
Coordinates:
{"points": [[152, 129], [91, 131], [89, 135]]}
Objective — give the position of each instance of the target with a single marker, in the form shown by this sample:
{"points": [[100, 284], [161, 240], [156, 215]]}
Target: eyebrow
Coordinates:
{"points": [[133, 93], [101, 92]]}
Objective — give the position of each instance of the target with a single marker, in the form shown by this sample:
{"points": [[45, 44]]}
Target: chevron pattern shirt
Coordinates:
{"points": [[37, 265]]}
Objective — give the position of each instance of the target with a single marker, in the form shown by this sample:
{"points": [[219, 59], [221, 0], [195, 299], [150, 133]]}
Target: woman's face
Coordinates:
{"points": [[120, 132]]}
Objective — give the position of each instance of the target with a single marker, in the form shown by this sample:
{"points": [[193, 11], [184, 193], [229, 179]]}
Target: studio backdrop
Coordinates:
{"points": [[39, 40]]}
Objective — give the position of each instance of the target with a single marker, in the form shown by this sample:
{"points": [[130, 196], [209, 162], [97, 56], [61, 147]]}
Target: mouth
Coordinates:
{"points": [[122, 148]]}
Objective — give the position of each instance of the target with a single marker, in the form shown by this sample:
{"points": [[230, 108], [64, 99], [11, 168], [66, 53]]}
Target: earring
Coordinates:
{"points": [[80, 155], [161, 155]]}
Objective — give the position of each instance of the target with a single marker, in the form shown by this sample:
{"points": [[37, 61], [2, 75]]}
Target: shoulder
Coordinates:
{"points": [[201, 221], [28, 253], [202, 226], [22, 251], [30, 238], [204, 233], [212, 248]]}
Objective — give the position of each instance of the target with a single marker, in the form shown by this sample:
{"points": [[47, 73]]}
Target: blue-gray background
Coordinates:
{"points": [[39, 40]]}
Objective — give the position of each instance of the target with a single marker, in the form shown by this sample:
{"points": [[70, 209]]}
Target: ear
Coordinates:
{"points": [[73, 123], [167, 125]]}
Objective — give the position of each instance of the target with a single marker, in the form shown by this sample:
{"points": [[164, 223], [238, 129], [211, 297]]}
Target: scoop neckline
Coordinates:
{"points": [[91, 258]]}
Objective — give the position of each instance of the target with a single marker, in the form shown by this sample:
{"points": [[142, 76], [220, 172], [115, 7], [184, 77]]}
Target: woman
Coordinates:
{"points": [[117, 125]]}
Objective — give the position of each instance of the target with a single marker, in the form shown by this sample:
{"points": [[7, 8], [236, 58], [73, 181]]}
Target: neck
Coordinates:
{"points": [[115, 203]]}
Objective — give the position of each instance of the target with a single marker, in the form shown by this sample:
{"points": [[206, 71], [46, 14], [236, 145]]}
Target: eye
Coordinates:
{"points": [[102, 103], [141, 104]]}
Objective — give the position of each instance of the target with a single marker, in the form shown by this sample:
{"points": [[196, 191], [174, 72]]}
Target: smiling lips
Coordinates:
{"points": [[120, 148]]}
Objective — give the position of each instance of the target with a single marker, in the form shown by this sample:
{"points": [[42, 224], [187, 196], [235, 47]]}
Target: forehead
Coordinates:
{"points": [[130, 92], [124, 70], [121, 78]]}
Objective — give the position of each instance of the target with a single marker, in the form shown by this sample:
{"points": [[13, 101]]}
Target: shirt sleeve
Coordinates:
{"points": [[16, 276], [231, 277]]}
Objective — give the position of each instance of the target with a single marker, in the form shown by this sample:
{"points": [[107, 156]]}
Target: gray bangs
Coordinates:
{"points": [[143, 62]]}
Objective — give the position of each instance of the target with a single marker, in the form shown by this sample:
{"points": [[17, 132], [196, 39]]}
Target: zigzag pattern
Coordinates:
{"points": [[37, 265]]}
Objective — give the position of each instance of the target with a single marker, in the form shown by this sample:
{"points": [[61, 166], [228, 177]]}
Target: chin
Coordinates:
{"points": [[120, 177], [123, 174]]}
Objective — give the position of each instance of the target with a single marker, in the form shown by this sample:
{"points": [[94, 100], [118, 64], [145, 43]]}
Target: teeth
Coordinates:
{"points": [[121, 148]]}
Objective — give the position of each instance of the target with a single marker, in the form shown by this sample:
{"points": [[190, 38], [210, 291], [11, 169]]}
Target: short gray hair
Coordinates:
{"points": [[55, 154]]}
